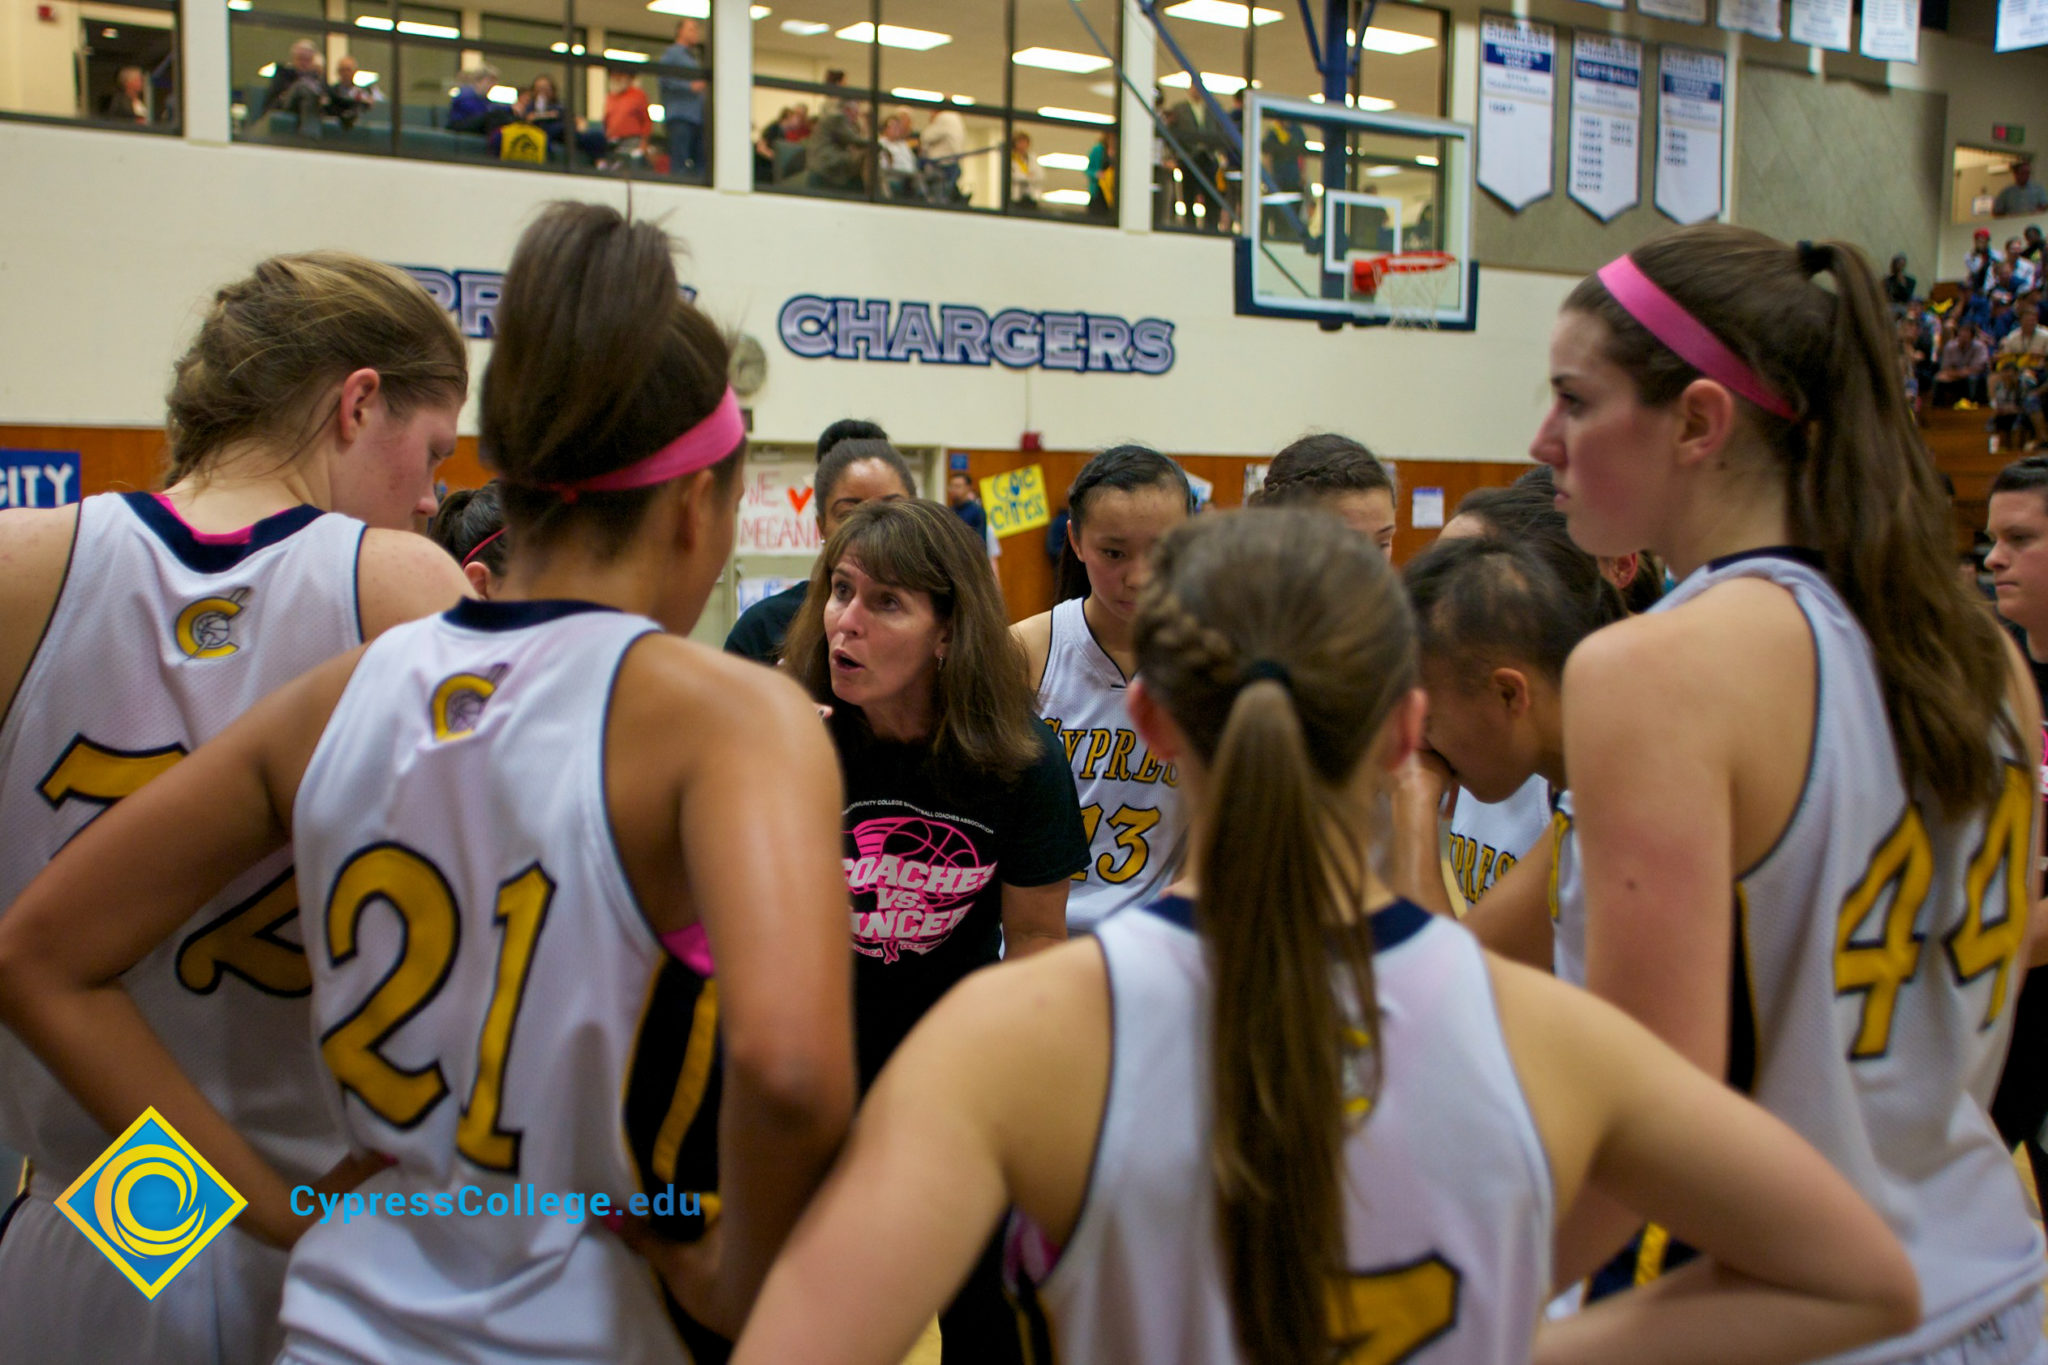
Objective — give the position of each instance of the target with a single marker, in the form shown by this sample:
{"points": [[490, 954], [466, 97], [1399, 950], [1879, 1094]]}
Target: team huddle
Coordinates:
{"points": [[554, 988]]}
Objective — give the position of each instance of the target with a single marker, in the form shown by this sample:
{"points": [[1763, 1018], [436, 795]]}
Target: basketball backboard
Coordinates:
{"points": [[1356, 216]]}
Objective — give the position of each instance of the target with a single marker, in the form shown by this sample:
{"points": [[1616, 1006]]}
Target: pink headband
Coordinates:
{"points": [[702, 446], [1667, 320]]}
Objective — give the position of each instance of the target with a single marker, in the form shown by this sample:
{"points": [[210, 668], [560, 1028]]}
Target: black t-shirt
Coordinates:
{"points": [[759, 632], [2020, 1106], [927, 856]]}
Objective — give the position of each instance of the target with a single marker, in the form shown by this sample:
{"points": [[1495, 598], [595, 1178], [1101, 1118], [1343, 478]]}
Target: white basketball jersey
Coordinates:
{"points": [[1129, 799], [1489, 838], [480, 969], [1567, 897], [1448, 1201], [161, 637], [1875, 974]]}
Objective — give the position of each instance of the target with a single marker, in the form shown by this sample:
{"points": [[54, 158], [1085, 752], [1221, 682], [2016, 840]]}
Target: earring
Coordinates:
{"points": [[942, 662]]}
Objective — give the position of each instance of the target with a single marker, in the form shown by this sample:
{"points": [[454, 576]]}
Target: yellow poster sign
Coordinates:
{"points": [[522, 142], [1015, 500]]}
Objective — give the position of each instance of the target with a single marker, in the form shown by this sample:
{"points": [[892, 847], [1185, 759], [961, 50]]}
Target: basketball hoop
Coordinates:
{"points": [[1399, 281]]}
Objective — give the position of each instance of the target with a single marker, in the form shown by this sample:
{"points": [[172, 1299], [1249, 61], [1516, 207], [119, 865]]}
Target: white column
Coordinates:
{"points": [[1731, 84], [203, 92], [1134, 159], [732, 95]]}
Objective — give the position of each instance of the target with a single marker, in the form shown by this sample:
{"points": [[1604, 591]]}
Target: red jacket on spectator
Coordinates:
{"points": [[625, 115]]}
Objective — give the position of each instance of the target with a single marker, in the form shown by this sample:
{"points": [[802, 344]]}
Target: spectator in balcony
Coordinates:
{"points": [[127, 102], [836, 152], [2022, 195], [2026, 274], [898, 159], [2022, 366], [942, 143], [541, 105], [682, 102], [2032, 246], [472, 110], [628, 127], [347, 97], [1027, 182], [1977, 265], [1899, 287], [779, 151], [1965, 361], [1102, 176], [298, 88]]}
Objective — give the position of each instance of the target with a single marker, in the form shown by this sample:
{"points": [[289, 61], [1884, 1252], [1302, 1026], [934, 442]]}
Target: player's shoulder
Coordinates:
{"points": [[722, 693], [402, 577], [1033, 635], [1724, 630]]}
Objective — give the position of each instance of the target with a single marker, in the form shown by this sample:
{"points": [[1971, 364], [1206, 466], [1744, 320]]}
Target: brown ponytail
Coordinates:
{"points": [[1862, 489], [274, 344], [1280, 642]]}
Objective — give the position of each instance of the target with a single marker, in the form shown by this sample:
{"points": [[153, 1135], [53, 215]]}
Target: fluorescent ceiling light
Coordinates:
{"points": [[1391, 41], [267, 70], [961, 99], [894, 35], [1382, 172], [428, 30], [1056, 59], [620, 54], [657, 112], [376, 21], [682, 9], [1221, 12], [1370, 103], [504, 94], [238, 4], [1064, 161], [1077, 115], [366, 77], [905, 92], [1064, 197], [1427, 161], [758, 12], [803, 28], [1308, 146], [1217, 83]]}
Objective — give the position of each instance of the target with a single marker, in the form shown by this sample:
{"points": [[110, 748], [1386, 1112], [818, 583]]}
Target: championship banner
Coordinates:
{"points": [[2022, 23], [1684, 11], [1891, 30], [1761, 17], [1821, 23], [1609, 4], [1607, 120], [1517, 109], [1690, 108]]}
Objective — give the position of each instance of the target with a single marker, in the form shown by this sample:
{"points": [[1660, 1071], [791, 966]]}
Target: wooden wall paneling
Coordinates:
{"points": [[1456, 478], [122, 459]]}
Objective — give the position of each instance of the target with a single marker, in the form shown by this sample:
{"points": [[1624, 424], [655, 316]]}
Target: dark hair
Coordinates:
{"points": [[1486, 602], [1642, 592], [848, 429], [2029, 475], [599, 362], [1860, 485], [1280, 642], [1126, 468], [272, 345], [1646, 589], [983, 699], [1319, 466], [466, 519], [848, 453]]}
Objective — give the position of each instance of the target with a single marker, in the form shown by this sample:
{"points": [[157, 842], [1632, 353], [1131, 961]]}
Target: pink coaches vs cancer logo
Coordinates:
{"points": [[913, 881]]}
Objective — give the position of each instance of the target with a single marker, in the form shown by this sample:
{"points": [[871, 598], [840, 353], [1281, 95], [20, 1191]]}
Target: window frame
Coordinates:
{"points": [[174, 128]]}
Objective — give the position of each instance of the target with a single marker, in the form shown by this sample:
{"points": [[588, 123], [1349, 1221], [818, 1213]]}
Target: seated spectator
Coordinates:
{"points": [[472, 110], [2000, 299], [127, 103], [1965, 361], [2032, 248], [2022, 195], [2021, 367], [628, 127], [835, 155], [541, 106], [898, 159], [1968, 305], [1977, 265], [779, 154], [1910, 356], [1900, 287], [1927, 345], [299, 89], [2026, 273], [1027, 181], [346, 99]]}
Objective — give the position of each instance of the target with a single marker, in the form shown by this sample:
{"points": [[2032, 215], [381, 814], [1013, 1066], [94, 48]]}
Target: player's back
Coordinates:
{"points": [[481, 968], [1878, 955], [161, 636], [1130, 800], [1448, 1208]]}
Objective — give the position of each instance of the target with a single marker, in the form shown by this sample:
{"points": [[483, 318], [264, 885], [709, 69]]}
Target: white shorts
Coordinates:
{"points": [[2011, 1336], [63, 1303]]}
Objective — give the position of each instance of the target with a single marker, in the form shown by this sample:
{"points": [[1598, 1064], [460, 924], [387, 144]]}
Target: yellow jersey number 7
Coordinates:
{"points": [[244, 940]]}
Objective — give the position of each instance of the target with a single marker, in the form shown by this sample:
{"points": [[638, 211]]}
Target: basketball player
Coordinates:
{"points": [[470, 526], [506, 825], [1283, 1117], [320, 394], [1804, 786], [1339, 475], [1081, 657], [857, 469]]}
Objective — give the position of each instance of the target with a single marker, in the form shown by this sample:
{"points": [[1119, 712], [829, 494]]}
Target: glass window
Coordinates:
{"points": [[1057, 64], [111, 65], [943, 50], [813, 103], [350, 105]]}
